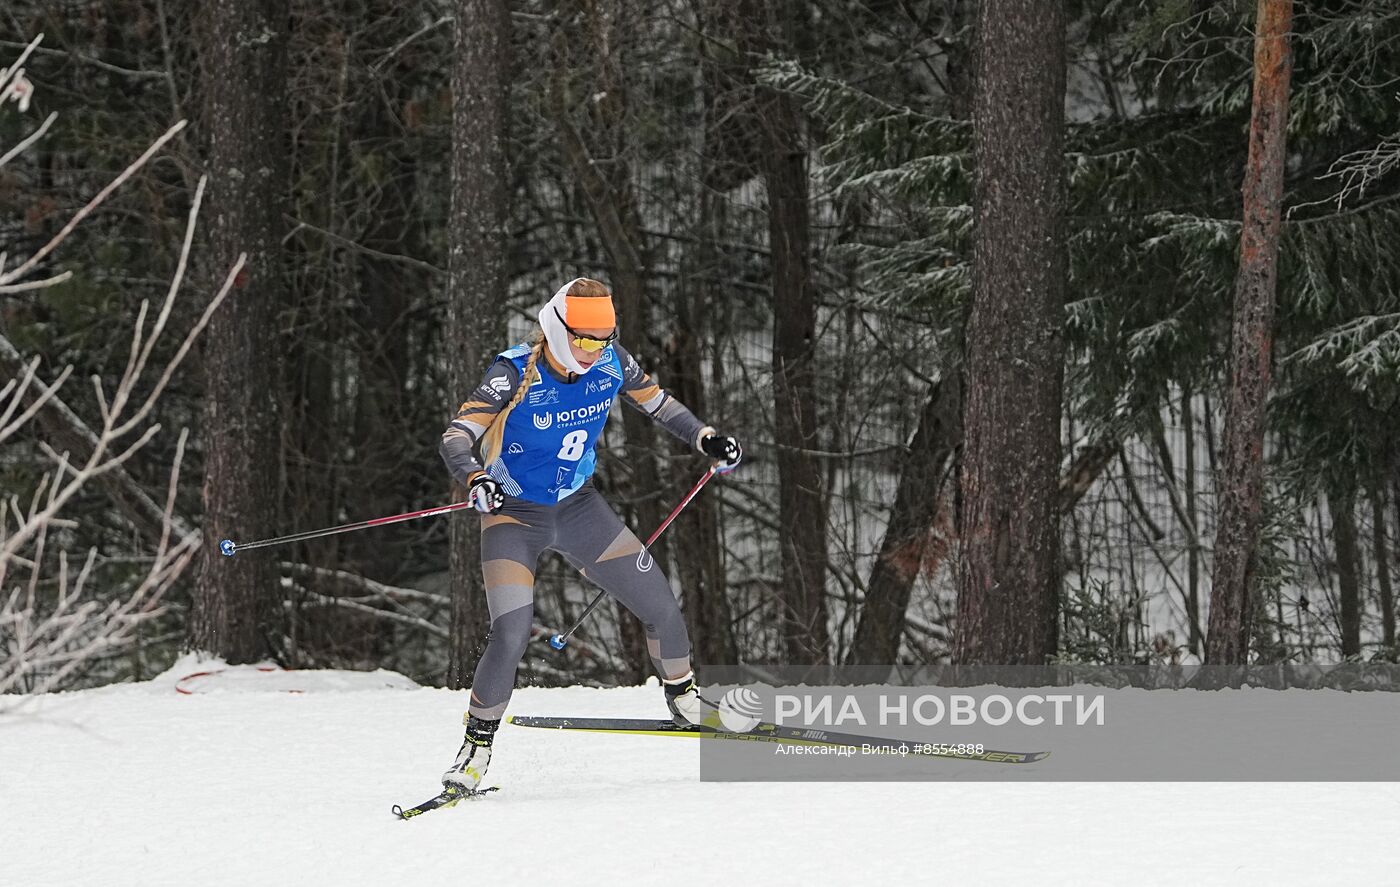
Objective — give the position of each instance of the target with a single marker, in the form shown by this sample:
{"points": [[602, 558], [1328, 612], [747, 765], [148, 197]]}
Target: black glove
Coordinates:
{"points": [[485, 494], [722, 448]]}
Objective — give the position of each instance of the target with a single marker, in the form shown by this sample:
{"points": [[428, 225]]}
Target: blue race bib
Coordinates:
{"points": [[547, 444]]}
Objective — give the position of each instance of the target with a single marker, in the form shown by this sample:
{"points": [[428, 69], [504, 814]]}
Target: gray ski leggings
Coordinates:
{"points": [[595, 541]]}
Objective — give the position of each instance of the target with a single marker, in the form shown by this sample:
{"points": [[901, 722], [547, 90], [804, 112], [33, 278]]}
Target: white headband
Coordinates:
{"points": [[555, 335]]}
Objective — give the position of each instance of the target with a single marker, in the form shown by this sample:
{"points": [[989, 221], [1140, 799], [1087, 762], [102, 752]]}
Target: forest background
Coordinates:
{"points": [[786, 200]]}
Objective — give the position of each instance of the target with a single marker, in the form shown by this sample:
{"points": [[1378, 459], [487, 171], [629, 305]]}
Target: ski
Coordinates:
{"points": [[765, 732], [448, 797]]}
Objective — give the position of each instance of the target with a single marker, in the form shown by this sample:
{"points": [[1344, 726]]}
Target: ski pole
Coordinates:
{"points": [[229, 547], [560, 641]]}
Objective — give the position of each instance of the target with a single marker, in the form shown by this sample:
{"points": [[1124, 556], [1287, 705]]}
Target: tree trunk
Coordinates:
{"points": [[1193, 549], [1342, 505], [801, 488], [802, 502], [477, 277], [699, 561], [1251, 342], [765, 133], [910, 531], [1383, 586], [244, 48], [1008, 528], [699, 303]]}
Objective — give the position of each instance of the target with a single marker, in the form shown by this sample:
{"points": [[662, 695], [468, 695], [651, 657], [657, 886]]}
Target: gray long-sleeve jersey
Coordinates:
{"points": [[459, 441]]}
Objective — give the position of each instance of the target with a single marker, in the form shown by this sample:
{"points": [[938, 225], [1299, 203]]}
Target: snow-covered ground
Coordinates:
{"points": [[254, 778]]}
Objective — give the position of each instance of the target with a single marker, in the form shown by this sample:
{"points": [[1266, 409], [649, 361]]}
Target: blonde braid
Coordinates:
{"points": [[493, 439]]}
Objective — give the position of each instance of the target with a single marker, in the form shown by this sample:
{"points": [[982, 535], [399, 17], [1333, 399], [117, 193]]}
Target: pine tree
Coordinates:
{"points": [[245, 55], [1227, 638], [1008, 519]]}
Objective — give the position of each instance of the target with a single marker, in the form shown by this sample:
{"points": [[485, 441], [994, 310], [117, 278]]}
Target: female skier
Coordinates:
{"points": [[537, 416]]}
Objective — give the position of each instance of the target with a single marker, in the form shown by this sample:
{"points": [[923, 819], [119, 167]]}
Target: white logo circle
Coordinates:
{"points": [[740, 710], [543, 421], [644, 561]]}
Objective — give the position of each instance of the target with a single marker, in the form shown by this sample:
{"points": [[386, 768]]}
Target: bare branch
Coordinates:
{"points": [[36, 284], [15, 71], [96, 63], [1356, 171], [50, 637], [47, 391], [28, 140], [184, 349], [431, 26], [87, 210]]}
